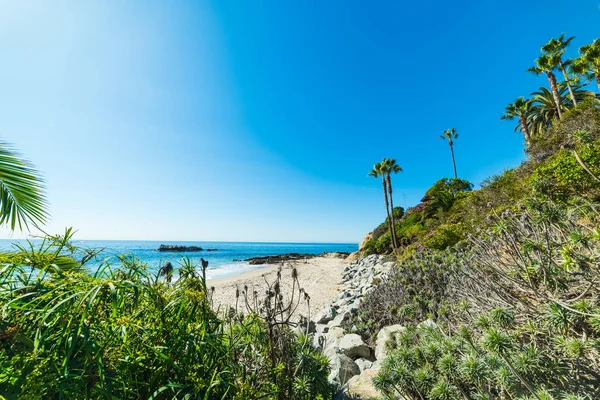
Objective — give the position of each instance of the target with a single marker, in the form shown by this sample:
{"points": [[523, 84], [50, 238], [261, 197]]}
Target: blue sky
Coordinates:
{"points": [[258, 121]]}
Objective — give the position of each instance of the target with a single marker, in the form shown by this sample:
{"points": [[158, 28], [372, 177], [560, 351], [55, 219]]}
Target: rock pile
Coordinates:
{"points": [[353, 363]]}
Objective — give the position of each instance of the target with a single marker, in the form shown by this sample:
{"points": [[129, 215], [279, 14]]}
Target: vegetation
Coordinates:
{"points": [[516, 313], [22, 198], [123, 333]]}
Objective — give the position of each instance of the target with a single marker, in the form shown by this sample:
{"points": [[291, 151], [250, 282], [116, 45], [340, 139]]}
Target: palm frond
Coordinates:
{"points": [[22, 197]]}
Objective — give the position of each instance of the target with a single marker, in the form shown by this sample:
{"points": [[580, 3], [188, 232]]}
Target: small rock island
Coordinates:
{"points": [[176, 248]]}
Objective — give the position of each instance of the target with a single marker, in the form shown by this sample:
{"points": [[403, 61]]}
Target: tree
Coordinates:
{"points": [[22, 198], [390, 166], [546, 64], [589, 62], [379, 171], [556, 48], [523, 110], [545, 112], [451, 135]]}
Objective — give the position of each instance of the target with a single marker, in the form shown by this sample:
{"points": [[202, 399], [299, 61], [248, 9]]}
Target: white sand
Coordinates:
{"points": [[320, 277]]}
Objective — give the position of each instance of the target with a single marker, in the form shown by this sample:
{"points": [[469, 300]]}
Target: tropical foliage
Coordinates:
{"points": [[22, 198], [123, 333]]}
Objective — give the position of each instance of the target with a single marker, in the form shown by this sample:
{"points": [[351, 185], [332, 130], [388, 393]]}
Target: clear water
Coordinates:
{"points": [[221, 262]]}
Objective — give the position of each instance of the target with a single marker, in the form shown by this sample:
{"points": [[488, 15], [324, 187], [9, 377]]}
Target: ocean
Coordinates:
{"points": [[221, 261]]}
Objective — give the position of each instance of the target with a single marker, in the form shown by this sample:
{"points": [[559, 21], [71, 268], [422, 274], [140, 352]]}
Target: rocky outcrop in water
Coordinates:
{"points": [[278, 258], [176, 248]]}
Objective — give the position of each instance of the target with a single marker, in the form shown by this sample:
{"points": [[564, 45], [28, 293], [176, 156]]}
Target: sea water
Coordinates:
{"points": [[222, 262]]}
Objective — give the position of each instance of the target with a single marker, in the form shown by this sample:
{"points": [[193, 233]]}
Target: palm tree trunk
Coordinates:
{"points": [[453, 161], [566, 75], [387, 209], [525, 129], [597, 74], [554, 88], [393, 225]]}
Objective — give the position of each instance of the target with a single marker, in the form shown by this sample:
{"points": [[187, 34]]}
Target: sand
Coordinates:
{"points": [[320, 277]]}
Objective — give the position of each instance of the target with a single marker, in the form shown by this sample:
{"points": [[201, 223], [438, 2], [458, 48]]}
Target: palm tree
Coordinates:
{"points": [[451, 135], [546, 64], [390, 166], [556, 48], [379, 170], [523, 110], [22, 198], [545, 112], [589, 61]]}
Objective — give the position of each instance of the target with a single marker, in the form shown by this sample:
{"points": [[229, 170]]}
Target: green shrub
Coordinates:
{"points": [[521, 313], [565, 177], [445, 236], [123, 333], [585, 116]]}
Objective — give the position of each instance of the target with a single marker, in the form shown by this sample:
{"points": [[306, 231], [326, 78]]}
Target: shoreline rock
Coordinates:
{"points": [[353, 363], [278, 258]]}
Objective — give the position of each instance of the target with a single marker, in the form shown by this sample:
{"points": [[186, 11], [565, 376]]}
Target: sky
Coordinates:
{"points": [[237, 120]]}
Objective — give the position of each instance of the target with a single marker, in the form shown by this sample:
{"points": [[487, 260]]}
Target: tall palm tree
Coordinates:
{"points": [[523, 110], [589, 61], [379, 171], [22, 198], [390, 166], [546, 64], [451, 135], [556, 48]]}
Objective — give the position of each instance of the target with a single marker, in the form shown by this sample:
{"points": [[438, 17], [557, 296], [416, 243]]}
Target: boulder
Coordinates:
{"points": [[339, 319], [363, 364], [333, 336], [353, 346], [361, 386], [321, 328], [386, 338], [326, 315], [342, 369]]}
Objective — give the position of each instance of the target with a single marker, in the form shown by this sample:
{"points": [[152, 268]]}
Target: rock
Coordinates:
{"points": [[353, 346], [353, 257], [363, 364], [335, 254], [321, 328], [342, 317], [428, 323], [363, 242], [361, 386], [176, 248], [326, 315], [342, 369], [334, 336], [279, 258], [386, 338]]}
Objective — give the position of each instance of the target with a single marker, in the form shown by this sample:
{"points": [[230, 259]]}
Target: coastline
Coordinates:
{"points": [[320, 277]]}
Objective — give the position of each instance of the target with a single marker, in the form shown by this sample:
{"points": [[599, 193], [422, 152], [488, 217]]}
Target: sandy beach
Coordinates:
{"points": [[320, 277]]}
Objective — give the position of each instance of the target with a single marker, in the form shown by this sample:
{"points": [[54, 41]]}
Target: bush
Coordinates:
{"points": [[585, 116], [521, 313], [414, 290], [445, 236], [565, 177], [123, 333]]}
